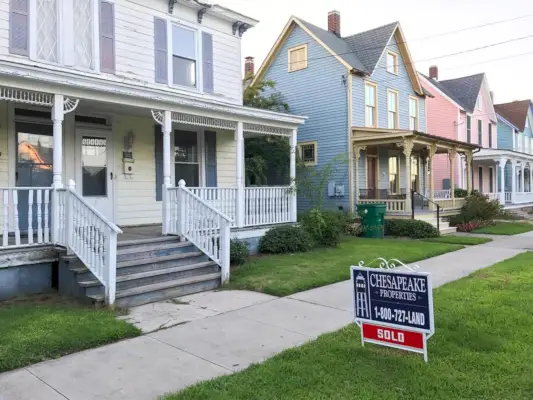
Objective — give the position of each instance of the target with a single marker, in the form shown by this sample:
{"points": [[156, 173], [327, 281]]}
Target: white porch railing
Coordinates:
{"points": [[523, 197], [90, 236], [267, 205], [508, 197], [392, 205], [201, 224], [493, 196], [34, 202], [223, 199], [442, 194]]}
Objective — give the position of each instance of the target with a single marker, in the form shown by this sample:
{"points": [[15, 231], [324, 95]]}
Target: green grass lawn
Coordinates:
{"points": [[50, 327], [482, 349], [282, 275], [463, 240], [506, 228]]}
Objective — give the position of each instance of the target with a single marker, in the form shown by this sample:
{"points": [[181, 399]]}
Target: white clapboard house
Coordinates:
{"points": [[127, 113]]}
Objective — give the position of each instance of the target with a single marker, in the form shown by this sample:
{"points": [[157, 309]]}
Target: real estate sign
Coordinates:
{"points": [[393, 308]]}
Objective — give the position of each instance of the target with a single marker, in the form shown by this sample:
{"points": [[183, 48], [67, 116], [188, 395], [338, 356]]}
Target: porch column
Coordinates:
{"points": [[407, 150], [468, 157], [522, 177], [293, 201], [357, 154], [502, 162], [530, 178], [452, 153], [240, 206], [513, 180], [432, 150], [58, 115], [166, 127]]}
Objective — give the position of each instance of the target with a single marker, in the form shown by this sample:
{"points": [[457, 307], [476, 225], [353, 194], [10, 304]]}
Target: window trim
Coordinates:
{"points": [[479, 105], [480, 131], [397, 116], [198, 54], [300, 152], [417, 101], [490, 135], [375, 85], [293, 49], [396, 65], [468, 136]]}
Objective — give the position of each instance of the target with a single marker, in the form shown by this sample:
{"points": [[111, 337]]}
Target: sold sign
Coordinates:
{"points": [[399, 337]]}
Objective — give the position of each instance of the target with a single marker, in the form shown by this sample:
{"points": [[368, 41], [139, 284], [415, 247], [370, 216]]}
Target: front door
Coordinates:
{"points": [[372, 184], [94, 169]]}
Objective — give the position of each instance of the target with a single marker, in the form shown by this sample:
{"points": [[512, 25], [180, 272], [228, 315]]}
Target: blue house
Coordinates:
{"points": [[514, 153], [367, 113]]}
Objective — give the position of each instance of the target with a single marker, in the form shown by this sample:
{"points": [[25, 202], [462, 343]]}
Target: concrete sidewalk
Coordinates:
{"points": [[227, 332]]}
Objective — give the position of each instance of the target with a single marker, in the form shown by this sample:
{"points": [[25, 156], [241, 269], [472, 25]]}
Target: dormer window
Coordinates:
{"points": [[478, 103], [297, 58]]}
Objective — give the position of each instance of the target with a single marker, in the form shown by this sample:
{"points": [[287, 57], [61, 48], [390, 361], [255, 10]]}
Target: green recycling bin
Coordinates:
{"points": [[372, 219]]}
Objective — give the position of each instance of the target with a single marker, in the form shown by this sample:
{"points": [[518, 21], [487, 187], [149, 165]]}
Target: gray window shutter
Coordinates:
{"points": [[19, 27], [161, 57], [158, 142], [211, 159], [107, 37], [207, 56]]}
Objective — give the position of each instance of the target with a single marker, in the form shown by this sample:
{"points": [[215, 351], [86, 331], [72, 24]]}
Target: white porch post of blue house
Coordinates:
{"points": [[513, 180], [167, 160], [522, 176], [502, 162], [240, 209], [293, 200]]}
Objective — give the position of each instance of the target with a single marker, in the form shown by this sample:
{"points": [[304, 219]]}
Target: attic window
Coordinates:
{"points": [[297, 58], [478, 102], [392, 62]]}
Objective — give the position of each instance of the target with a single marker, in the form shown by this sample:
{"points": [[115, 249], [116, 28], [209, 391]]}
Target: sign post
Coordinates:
{"points": [[393, 308]]}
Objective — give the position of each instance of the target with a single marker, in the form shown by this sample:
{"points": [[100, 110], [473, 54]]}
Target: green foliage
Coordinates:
{"points": [[267, 158], [477, 207], [325, 227], [239, 252], [460, 193], [286, 239], [254, 96], [312, 182], [411, 228]]}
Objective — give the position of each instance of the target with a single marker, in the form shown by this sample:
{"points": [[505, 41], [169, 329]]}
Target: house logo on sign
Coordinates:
{"points": [[362, 308]]}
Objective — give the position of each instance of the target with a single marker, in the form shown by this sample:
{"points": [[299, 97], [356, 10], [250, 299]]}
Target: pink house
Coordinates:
{"points": [[461, 109]]}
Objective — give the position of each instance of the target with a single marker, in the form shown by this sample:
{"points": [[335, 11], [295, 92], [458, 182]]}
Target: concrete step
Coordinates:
{"points": [[163, 290], [448, 231], [130, 281]]}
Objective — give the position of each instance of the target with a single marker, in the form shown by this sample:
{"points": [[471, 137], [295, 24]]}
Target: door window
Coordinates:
{"points": [[94, 166], [186, 162]]}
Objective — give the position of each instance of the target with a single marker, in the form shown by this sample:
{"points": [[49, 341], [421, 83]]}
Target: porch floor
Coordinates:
{"points": [[140, 232]]}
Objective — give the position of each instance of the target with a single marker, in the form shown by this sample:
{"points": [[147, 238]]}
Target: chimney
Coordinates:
{"points": [[249, 66], [434, 72], [334, 22], [492, 96]]}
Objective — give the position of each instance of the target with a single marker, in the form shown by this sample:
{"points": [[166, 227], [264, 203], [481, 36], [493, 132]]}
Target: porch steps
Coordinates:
{"points": [[444, 226], [149, 270]]}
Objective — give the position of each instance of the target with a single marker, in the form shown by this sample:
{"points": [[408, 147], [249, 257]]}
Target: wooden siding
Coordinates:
{"points": [[226, 159], [319, 93], [134, 47]]}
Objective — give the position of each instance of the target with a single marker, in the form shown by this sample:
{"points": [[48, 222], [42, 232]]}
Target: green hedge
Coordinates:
{"points": [[286, 239], [239, 252], [410, 228]]}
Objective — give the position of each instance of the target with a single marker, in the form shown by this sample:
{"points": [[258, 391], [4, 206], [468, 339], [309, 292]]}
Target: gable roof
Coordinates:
{"points": [[443, 90], [359, 53], [514, 112]]}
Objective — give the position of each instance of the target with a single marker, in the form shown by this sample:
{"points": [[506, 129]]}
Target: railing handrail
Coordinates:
{"points": [[428, 199], [110, 224], [26, 188], [221, 214]]}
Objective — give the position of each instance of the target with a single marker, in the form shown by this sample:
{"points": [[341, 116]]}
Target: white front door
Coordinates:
{"points": [[94, 168]]}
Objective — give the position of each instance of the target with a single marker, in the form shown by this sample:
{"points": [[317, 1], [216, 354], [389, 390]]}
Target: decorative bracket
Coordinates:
{"points": [[452, 153], [357, 151], [240, 27], [157, 115], [201, 13], [171, 4], [70, 104]]}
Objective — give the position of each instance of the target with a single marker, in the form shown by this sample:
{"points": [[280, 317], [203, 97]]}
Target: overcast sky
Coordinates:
{"points": [[510, 78]]}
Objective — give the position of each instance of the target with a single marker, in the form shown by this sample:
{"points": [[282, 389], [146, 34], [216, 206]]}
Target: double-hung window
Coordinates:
{"points": [[479, 102], [392, 62], [71, 33], [394, 181], [392, 101], [469, 129], [183, 56], [490, 135], [413, 113], [480, 132], [371, 105], [297, 58], [415, 170]]}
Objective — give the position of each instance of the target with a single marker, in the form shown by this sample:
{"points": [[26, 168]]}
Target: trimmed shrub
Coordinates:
{"points": [[239, 252], [410, 228], [286, 239], [460, 193], [325, 227], [477, 207], [468, 226]]}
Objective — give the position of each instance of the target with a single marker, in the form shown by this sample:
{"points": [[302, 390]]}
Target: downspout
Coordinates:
{"points": [[351, 185]]}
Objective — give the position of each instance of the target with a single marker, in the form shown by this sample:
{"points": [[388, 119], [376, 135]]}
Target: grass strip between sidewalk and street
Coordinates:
{"points": [[482, 349], [462, 240], [506, 228], [34, 331], [285, 274]]}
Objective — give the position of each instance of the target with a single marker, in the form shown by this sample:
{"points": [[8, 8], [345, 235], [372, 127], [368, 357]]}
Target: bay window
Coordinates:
{"points": [[183, 56]]}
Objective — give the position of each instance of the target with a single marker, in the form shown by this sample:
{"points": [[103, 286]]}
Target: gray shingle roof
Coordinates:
{"points": [[336, 44], [369, 45], [464, 91]]}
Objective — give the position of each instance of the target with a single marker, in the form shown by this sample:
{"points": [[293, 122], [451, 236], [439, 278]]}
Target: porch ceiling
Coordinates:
{"points": [[392, 137]]}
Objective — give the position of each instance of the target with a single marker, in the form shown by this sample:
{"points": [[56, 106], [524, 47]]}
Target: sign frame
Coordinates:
{"points": [[426, 333]]}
